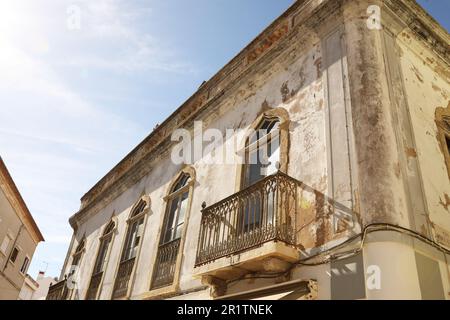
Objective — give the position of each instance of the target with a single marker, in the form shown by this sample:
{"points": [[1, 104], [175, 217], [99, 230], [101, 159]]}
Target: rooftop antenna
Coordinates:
{"points": [[46, 266]]}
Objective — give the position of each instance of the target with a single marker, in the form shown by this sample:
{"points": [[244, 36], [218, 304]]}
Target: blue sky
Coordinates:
{"points": [[74, 102]]}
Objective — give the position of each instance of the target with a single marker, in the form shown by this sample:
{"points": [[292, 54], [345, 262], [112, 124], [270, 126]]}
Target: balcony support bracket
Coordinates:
{"points": [[273, 264], [313, 291], [217, 286]]}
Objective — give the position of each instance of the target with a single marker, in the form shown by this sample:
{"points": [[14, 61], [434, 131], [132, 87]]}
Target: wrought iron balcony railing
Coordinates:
{"points": [[165, 264], [123, 278], [58, 291], [94, 285], [263, 212]]}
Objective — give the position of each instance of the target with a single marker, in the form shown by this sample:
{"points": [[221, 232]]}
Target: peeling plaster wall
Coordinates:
{"points": [[11, 279], [380, 192], [344, 90], [427, 85], [292, 81]]}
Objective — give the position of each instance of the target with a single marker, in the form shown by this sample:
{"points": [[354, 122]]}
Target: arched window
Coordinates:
{"points": [[266, 152], [262, 152], [178, 199], [172, 231], [131, 247], [78, 254], [100, 262], [135, 231]]}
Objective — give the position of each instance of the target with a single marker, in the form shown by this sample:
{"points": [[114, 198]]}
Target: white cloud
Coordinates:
{"points": [[55, 140], [58, 239], [114, 25]]}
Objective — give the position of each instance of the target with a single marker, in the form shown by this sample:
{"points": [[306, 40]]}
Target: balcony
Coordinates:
{"points": [[165, 264], [58, 291], [94, 285], [123, 278], [250, 231]]}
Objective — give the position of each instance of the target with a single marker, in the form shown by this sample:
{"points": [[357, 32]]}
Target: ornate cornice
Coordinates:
{"points": [[425, 27]]}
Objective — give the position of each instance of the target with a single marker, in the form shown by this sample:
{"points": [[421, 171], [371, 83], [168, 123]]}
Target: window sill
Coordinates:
{"points": [[158, 293]]}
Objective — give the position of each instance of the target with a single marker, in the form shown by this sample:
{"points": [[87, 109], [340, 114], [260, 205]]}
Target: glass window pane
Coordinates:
{"points": [[274, 155], [14, 255], [168, 236], [254, 168], [183, 207], [24, 267], [127, 254], [137, 237], [101, 260], [178, 231], [263, 160], [171, 219], [76, 260], [181, 182]]}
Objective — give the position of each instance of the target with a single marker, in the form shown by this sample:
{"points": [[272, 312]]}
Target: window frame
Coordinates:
{"points": [[28, 260], [175, 195], [170, 194], [5, 251], [283, 135], [78, 254], [106, 235], [255, 146], [103, 238], [443, 125], [132, 221], [15, 248], [133, 217]]}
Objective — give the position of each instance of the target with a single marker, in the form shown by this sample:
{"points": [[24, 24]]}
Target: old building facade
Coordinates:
{"points": [[19, 237], [353, 202]]}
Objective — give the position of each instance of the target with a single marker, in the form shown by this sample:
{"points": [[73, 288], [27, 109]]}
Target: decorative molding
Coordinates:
{"points": [[442, 119], [268, 42], [422, 25]]}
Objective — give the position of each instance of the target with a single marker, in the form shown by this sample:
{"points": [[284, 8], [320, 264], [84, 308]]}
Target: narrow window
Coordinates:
{"points": [[262, 152], [14, 255], [100, 262], [76, 258], [25, 264], [169, 244], [133, 241], [262, 158], [5, 245], [447, 140]]}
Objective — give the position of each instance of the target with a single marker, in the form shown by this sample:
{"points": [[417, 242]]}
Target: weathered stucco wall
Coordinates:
{"points": [[11, 226], [427, 85], [293, 82], [364, 152]]}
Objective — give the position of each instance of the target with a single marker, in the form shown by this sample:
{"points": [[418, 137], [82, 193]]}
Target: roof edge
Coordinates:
{"points": [[18, 203]]}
